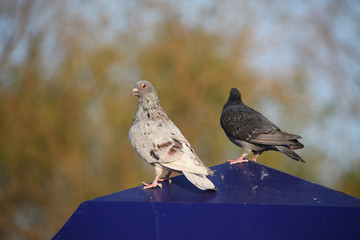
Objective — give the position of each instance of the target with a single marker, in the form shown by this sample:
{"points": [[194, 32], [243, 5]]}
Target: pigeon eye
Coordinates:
{"points": [[143, 86]]}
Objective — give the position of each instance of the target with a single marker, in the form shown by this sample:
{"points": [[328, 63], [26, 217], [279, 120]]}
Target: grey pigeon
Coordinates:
{"points": [[250, 130], [159, 142]]}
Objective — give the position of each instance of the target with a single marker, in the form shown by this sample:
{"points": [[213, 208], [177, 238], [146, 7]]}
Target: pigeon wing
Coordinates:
{"points": [[244, 123], [166, 146], [277, 138]]}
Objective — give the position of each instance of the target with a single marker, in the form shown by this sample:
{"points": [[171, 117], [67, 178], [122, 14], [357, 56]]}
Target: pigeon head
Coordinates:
{"points": [[234, 99], [144, 89], [235, 92], [235, 95]]}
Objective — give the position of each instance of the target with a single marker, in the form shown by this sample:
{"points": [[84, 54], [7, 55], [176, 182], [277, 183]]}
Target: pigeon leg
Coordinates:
{"points": [[167, 177], [255, 157], [155, 183]]}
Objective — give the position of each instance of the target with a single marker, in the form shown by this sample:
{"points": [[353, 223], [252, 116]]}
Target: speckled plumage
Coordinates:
{"points": [[250, 130], [159, 142]]}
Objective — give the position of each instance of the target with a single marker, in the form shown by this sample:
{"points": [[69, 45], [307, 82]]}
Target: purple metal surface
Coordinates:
{"points": [[252, 202]]}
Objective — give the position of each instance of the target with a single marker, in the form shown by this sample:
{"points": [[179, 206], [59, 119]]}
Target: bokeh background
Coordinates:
{"points": [[67, 69]]}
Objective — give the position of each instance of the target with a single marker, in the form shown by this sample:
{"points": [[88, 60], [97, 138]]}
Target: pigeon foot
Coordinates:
{"points": [[239, 160], [152, 185]]}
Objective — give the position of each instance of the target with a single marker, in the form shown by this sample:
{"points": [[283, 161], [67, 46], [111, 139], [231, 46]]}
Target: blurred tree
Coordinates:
{"points": [[351, 181], [65, 105]]}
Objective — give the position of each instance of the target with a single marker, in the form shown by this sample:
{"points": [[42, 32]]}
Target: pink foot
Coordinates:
{"points": [[239, 160], [151, 185]]}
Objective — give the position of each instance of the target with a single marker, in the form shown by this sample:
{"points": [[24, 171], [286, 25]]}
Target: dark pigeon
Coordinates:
{"points": [[250, 130]]}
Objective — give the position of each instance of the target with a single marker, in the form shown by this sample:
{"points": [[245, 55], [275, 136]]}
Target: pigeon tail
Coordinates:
{"points": [[200, 181], [290, 153], [296, 145]]}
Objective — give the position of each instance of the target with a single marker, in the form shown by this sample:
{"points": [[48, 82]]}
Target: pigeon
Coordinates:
{"points": [[159, 142], [249, 129]]}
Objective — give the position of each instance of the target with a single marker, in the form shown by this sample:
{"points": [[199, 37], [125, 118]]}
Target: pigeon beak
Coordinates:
{"points": [[135, 92]]}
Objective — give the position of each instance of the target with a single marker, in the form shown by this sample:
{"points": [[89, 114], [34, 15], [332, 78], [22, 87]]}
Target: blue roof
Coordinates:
{"points": [[246, 183], [253, 201]]}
